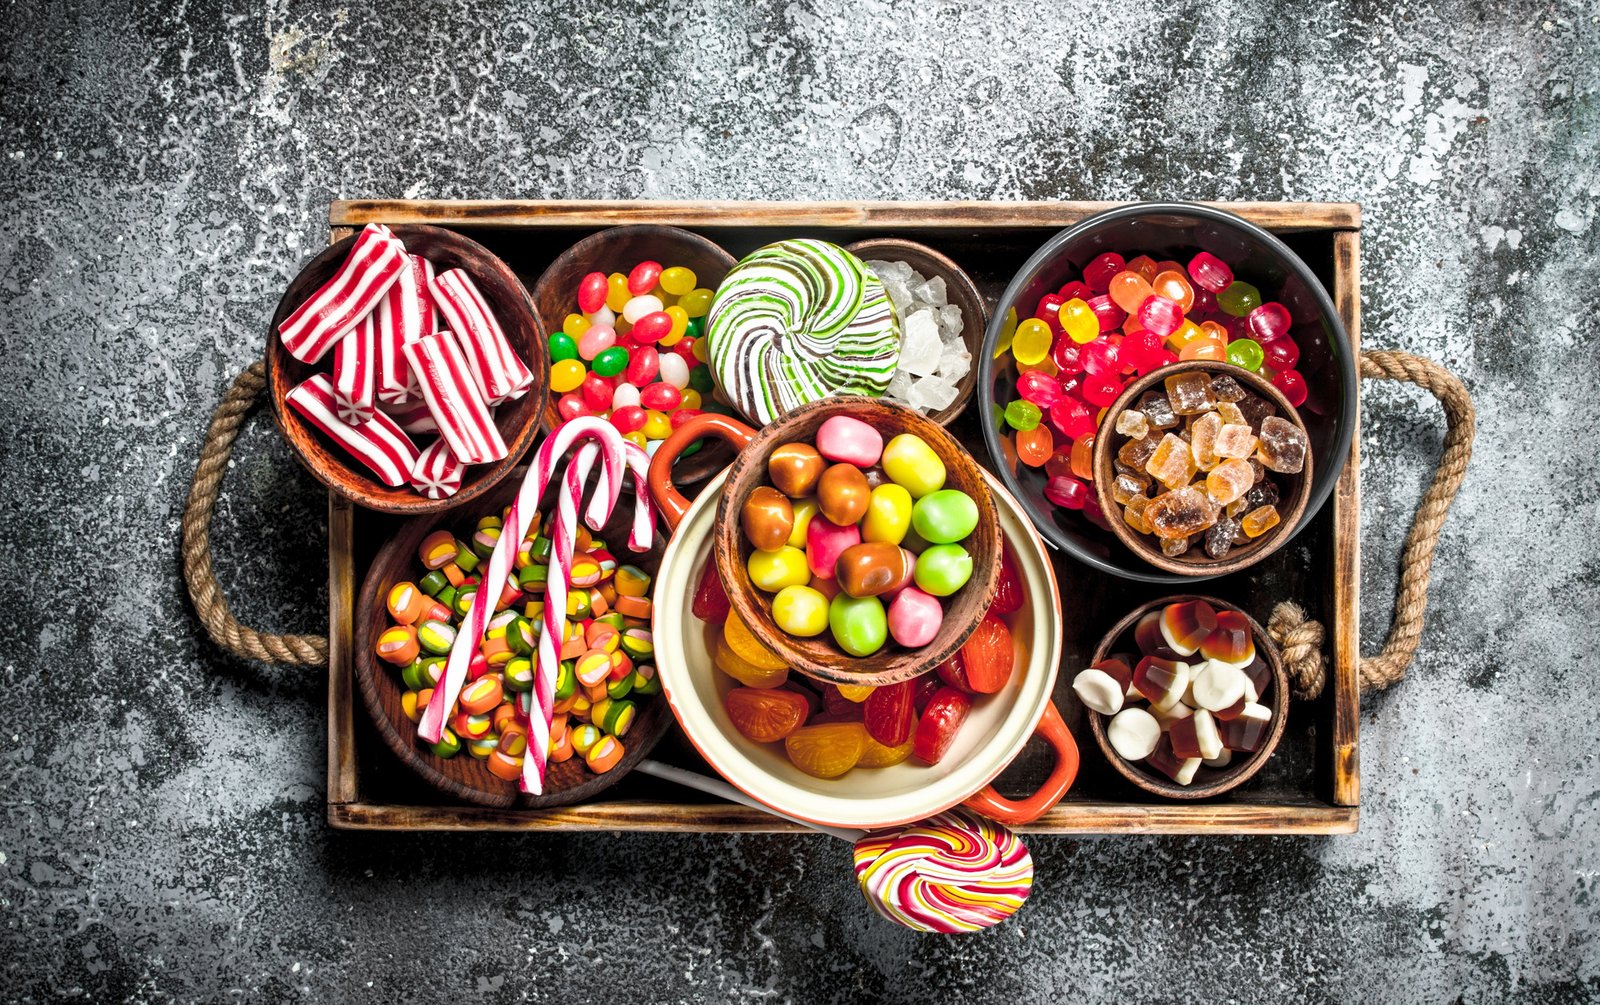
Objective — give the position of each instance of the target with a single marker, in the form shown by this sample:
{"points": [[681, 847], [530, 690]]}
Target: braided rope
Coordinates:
{"points": [[1300, 637], [204, 591]]}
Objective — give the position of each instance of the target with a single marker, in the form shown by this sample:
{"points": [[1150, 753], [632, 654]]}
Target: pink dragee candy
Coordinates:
{"points": [[405, 314], [849, 441], [825, 542], [378, 443], [454, 399], [499, 371], [915, 617], [374, 264], [355, 383], [437, 474]]}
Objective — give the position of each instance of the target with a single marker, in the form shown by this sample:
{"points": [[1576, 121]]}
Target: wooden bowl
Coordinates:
{"points": [[619, 249], [517, 419], [960, 290], [1294, 490], [463, 776], [820, 657], [1207, 782]]}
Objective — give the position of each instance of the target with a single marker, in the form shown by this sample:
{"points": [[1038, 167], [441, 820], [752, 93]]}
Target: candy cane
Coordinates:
{"points": [[555, 447]]}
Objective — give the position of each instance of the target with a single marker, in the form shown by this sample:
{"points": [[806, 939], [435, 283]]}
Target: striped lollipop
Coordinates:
{"points": [[954, 872], [799, 321]]}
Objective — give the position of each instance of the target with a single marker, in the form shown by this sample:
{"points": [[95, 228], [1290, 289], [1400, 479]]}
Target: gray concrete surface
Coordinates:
{"points": [[165, 168]]}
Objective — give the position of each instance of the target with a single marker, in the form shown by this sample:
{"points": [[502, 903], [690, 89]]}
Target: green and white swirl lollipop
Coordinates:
{"points": [[799, 321]]}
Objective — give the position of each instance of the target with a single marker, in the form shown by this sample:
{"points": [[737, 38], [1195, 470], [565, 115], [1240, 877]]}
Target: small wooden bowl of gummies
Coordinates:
{"points": [[1160, 493]]}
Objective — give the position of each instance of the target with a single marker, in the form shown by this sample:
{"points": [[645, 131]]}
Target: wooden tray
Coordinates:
{"points": [[1311, 786]]}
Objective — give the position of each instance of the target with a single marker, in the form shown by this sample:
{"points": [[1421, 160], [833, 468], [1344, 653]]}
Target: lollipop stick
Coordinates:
{"points": [[717, 787]]}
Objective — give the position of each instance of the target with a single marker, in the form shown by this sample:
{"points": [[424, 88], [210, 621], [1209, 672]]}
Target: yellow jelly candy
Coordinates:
{"points": [[636, 437], [617, 295], [1186, 333], [680, 324], [691, 398], [1032, 341], [910, 462], [742, 670], [1078, 320], [1045, 366], [876, 755], [701, 350], [656, 425], [888, 514], [774, 570], [857, 693], [566, 375], [804, 510], [1008, 332], [749, 648], [800, 610], [678, 280], [696, 302], [575, 324]]}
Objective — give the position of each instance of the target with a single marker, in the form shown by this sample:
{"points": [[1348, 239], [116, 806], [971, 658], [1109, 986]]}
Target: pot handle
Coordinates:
{"points": [[997, 807], [671, 502]]}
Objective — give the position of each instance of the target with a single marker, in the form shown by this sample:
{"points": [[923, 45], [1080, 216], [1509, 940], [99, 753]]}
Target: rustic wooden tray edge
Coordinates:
{"points": [[1339, 814]]}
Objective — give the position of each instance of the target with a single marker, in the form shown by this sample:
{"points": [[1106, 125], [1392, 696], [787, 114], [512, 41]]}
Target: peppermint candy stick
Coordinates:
{"points": [[354, 376], [378, 442], [469, 635], [414, 416], [500, 373], [453, 398], [404, 315], [437, 473], [374, 264]]}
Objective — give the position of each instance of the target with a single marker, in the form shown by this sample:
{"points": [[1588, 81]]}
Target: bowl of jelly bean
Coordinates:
{"points": [[1201, 468], [856, 538], [1124, 294], [608, 710], [1186, 697], [625, 309], [861, 755]]}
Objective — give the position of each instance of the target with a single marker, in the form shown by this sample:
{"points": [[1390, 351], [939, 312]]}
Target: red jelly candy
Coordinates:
{"points": [[1107, 312], [643, 365], [592, 290], [1281, 354], [1101, 357], [1049, 309], [1161, 681], [987, 655], [1205, 304], [661, 396], [1100, 269], [596, 391], [628, 419], [681, 415], [1066, 492], [1160, 315], [889, 713], [1075, 290], [571, 406], [926, 687], [1101, 390], [1008, 591], [652, 328], [1140, 351], [940, 723], [685, 348], [1039, 387], [644, 277], [1210, 272], [1066, 354], [1293, 386], [954, 674], [710, 602], [1269, 321], [1072, 418]]}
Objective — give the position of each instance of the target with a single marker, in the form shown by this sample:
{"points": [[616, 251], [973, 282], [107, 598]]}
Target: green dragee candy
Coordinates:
{"points": [[611, 362], [945, 516], [562, 346], [943, 569], [858, 623]]}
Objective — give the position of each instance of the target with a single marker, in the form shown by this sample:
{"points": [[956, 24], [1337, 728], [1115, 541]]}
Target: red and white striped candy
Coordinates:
{"points": [[378, 443], [354, 376], [437, 473], [500, 372], [405, 314], [374, 264], [414, 416], [453, 398]]}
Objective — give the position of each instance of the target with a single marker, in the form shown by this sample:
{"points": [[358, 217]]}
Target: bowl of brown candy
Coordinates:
{"points": [[1205, 468]]}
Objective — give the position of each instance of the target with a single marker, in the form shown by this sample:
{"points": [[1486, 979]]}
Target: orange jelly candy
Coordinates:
{"points": [[1034, 445], [1083, 458], [747, 647], [827, 751], [742, 670], [766, 715]]}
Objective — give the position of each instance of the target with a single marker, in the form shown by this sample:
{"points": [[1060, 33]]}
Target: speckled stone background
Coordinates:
{"points": [[166, 167]]}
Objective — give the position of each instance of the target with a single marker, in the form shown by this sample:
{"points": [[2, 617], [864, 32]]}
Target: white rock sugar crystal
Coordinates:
{"points": [[950, 323], [900, 270], [954, 363], [932, 394], [920, 348], [899, 386], [931, 292], [898, 280]]}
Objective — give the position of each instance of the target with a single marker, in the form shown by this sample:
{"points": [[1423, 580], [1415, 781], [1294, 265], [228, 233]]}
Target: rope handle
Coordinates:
{"points": [[204, 591], [1301, 638]]}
